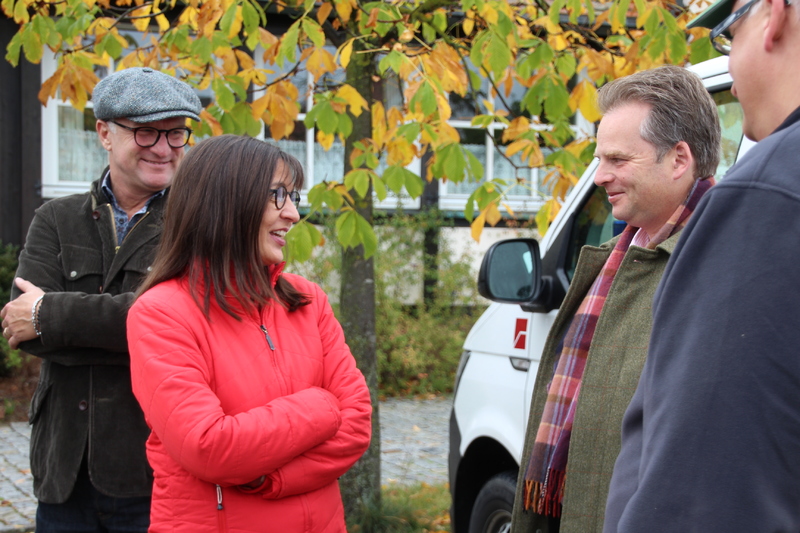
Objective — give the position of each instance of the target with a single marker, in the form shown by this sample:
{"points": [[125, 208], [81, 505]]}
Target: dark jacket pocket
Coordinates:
{"points": [[39, 396], [83, 268]]}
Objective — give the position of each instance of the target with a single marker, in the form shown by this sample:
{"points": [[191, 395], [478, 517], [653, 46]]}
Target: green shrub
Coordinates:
{"points": [[9, 359], [419, 508], [418, 347]]}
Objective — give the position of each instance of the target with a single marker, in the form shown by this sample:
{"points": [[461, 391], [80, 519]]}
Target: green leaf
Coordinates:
{"points": [[302, 239], [428, 32], [224, 96], [658, 45], [346, 228], [498, 55], [701, 49], [566, 64], [288, 46], [326, 117], [669, 21], [367, 236], [677, 47], [359, 179], [449, 163], [316, 196], [424, 99], [392, 60], [555, 11], [574, 7], [345, 125], [542, 56], [32, 45], [112, 46], [333, 199], [474, 166], [556, 103], [202, 49], [394, 176], [414, 185], [228, 18], [13, 49], [440, 20], [379, 187], [314, 32]]}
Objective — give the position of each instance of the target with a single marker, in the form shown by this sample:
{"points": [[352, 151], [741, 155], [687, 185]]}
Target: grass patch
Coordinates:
{"points": [[419, 508]]}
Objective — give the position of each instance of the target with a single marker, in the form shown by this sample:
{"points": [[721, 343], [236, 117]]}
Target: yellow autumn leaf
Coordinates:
{"points": [[188, 17], [378, 123], [476, 228], [584, 98], [489, 13], [469, 22], [163, 23], [399, 151], [323, 11], [229, 64], [493, 215], [320, 62], [208, 118], [245, 61], [517, 127], [344, 52], [141, 18], [356, 102], [344, 8], [508, 209], [325, 139]]}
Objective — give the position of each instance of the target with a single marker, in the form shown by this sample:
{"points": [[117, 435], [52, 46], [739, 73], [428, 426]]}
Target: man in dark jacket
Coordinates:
{"points": [[711, 439], [84, 257]]}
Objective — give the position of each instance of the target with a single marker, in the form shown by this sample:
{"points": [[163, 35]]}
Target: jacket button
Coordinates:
{"points": [[83, 405], [96, 214], [73, 274]]}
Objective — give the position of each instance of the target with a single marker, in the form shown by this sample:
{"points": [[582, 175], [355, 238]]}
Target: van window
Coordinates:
{"points": [[593, 225], [730, 119]]}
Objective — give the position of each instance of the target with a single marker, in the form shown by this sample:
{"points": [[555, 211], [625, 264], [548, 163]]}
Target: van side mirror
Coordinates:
{"points": [[511, 272]]}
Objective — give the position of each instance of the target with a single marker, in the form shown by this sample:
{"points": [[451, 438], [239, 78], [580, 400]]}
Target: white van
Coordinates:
{"points": [[498, 368]]}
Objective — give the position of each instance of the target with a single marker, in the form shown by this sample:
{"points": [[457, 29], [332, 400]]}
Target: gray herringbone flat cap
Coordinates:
{"points": [[144, 95]]}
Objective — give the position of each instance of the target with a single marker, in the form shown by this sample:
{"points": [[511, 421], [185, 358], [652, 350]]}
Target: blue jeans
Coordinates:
{"points": [[90, 511]]}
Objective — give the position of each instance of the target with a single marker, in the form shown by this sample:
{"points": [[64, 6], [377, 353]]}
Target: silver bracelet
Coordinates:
{"points": [[35, 316]]}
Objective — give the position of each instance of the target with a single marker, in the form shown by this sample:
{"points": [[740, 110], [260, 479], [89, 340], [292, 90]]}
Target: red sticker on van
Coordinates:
{"points": [[521, 333]]}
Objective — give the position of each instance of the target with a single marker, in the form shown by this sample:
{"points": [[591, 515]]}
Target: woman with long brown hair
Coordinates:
{"points": [[254, 401]]}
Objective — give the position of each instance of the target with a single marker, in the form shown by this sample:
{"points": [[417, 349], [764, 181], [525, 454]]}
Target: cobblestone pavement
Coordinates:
{"points": [[413, 450]]}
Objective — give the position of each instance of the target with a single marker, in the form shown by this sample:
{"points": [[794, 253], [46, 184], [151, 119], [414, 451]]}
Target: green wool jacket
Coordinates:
{"points": [[615, 361], [83, 402]]}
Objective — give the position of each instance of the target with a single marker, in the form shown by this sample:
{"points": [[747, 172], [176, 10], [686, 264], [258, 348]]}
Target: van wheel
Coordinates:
{"points": [[492, 510]]}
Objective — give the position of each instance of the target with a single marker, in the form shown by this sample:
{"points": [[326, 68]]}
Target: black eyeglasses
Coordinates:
{"points": [[147, 137], [280, 194], [721, 38]]}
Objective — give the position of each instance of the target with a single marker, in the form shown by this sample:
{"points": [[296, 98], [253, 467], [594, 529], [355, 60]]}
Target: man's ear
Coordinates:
{"points": [[683, 161], [103, 132], [776, 24]]}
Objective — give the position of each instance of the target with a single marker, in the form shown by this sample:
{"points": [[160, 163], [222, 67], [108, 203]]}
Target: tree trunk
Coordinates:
{"points": [[362, 484], [429, 205]]}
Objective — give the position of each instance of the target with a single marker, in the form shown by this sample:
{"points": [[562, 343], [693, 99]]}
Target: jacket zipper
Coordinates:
{"points": [[266, 334], [221, 521]]}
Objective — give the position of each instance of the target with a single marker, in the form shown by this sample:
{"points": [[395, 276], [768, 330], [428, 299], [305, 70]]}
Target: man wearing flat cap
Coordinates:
{"points": [[711, 438], [84, 257]]}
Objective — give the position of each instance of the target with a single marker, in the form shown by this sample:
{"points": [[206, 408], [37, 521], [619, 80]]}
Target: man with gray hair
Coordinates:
{"points": [[658, 145], [84, 257], [711, 439]]}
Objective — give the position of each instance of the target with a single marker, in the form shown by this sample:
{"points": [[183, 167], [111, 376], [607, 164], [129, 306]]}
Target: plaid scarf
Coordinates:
{"points": [[546, 473]]}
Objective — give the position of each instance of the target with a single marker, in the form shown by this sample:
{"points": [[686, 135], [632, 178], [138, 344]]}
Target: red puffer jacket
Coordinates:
{"points": [[230, 401]]}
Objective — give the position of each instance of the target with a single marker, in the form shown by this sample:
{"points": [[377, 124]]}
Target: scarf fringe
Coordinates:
{"points": [[545, 498]]}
